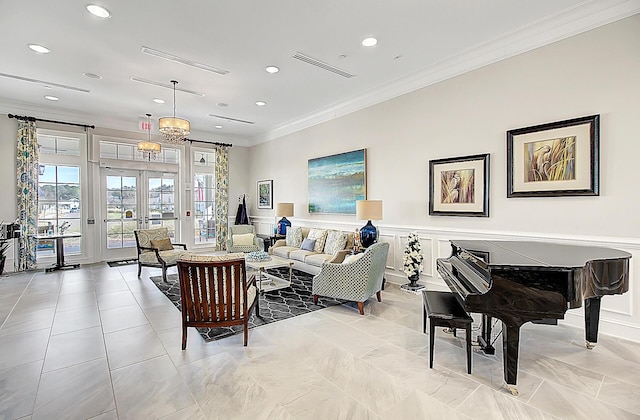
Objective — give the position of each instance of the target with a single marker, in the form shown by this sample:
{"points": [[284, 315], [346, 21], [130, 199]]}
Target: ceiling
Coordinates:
{"points": [[420, 42]]}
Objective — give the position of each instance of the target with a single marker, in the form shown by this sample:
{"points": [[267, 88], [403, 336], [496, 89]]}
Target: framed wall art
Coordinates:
{"points": [[459, 186], [554, 159], [265, 194], [337, 181]]}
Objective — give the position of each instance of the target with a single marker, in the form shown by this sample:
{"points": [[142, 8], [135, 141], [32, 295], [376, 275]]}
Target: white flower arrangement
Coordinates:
{"points": [[412, 259]]}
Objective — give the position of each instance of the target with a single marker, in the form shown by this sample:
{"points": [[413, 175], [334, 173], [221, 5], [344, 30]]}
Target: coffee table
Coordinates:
{"points": [[266, 281]]}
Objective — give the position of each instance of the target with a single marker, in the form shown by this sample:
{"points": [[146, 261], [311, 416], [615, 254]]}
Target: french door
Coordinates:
{"points": [[135, 199]]}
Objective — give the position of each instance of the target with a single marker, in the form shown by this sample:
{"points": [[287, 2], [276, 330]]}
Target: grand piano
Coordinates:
{"points": [[518, 282]]}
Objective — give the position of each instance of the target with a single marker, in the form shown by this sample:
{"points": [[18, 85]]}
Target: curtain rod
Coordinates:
{"points": [[34, 119], [215, 143]]}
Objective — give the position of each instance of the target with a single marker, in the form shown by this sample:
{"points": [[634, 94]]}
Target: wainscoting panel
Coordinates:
{"points": [[620, 314]]}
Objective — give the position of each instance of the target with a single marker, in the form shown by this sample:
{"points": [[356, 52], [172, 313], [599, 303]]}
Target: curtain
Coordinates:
{"points": [[27, 197], [222, 196]]}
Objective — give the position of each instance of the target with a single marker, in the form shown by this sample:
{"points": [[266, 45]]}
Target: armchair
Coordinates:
{"points": [[156, 250], [354, 281], [244, 243], [215, 292]]}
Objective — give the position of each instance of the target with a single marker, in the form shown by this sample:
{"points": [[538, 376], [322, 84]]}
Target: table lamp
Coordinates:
{"points": [[283, 210], [368, 210]]}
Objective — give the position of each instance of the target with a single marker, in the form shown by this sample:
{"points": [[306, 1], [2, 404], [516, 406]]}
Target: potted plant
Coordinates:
{"points": [[412, 262]]}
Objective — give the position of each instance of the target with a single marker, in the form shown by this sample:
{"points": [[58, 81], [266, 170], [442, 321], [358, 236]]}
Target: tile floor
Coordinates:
{"points": [[100, 343]]}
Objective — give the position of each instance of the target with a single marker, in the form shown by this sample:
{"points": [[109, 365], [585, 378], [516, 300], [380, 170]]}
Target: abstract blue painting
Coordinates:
{"points": [[337, 181]]}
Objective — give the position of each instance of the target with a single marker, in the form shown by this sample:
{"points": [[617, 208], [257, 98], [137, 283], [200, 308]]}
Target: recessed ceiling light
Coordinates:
{"points": [[222, 104], [92, 75], [99, 11], [158, 100], [217, 126], [261, 103], [51, 98], [369, 42], [47, 87], [39, 48], [272, 69]]}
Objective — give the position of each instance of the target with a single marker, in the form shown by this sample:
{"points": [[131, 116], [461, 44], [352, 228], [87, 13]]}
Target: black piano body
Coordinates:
{"points": [[520, 281]]}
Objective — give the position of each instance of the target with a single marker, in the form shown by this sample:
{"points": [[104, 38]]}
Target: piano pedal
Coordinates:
{"points": [[513, 390]]}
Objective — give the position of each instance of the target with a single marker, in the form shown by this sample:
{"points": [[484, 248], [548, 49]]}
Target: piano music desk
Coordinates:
{"points": [[444, 310]]}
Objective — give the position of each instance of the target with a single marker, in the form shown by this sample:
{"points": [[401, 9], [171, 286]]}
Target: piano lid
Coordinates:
{"points": [[537, 254]]}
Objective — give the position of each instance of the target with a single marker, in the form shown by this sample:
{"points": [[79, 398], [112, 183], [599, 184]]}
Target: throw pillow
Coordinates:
{"points": [[352, 258], [336, 241], [294, 236], [320, 235], [243, 239], [308, 244], [162, 244]]}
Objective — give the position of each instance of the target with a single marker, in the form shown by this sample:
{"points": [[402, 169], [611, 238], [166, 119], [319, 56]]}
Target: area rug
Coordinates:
{"points": [[120, 263], [275, 305]]}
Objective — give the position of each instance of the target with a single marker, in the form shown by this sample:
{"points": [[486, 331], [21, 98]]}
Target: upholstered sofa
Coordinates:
{"points": [[330, 246]]}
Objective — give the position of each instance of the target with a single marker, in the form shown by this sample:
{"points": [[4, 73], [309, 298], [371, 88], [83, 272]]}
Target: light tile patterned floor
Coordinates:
{"points": [[100, 343]]}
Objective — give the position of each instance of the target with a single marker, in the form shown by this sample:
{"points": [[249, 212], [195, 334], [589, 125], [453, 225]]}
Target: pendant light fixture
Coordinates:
{"points": [[174, 129], [148, 149]]}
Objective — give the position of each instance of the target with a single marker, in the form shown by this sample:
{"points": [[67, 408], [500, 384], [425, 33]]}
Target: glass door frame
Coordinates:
{"points": [[143, 216]]}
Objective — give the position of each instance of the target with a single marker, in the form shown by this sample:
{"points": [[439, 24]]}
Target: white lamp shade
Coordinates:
{"points": [[284, 209], [369, 209]]}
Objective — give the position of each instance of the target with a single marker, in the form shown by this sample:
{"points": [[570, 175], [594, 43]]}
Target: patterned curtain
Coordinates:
{"points": [[222, 196], [27, 199]]}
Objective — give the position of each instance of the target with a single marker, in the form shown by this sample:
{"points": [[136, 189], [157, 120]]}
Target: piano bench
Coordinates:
{"points": [[444, 310]]}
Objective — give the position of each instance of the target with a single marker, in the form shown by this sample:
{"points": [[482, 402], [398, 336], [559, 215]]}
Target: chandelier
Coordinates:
{"points": [[174, 129], [148, 149]]}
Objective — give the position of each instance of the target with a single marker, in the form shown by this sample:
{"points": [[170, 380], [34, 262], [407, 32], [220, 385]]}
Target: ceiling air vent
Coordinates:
{"points": [[231, 119], [310, 60], [185, 61], [166, 85], [44, 83]]}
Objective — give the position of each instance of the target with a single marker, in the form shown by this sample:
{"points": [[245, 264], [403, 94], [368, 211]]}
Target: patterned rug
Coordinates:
{"points": [[275, 305]]}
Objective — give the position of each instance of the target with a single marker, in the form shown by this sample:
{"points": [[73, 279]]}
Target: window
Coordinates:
{"points": [[204, 184], [59, 206], [127, 151]]}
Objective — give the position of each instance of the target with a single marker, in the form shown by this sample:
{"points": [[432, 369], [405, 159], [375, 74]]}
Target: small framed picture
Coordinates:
{"points": [[459, 186], [554, 159], [265, 194]]}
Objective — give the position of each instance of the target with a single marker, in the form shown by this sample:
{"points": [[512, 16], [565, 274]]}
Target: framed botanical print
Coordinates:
{"points": [[459, 186], [554, 159]]}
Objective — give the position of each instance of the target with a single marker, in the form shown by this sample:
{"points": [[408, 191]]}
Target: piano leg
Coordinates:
{"points": [[510, 348], [591, 320]]}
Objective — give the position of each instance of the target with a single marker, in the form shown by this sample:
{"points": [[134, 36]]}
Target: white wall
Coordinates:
{"points": [[592, 73]]}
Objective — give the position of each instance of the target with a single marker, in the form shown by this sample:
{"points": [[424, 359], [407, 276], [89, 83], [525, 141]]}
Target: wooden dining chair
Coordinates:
{"points": [[215, 292]]}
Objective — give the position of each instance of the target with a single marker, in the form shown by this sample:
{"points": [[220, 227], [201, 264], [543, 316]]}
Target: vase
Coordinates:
{"points": [[413, 280], [413, 285]]}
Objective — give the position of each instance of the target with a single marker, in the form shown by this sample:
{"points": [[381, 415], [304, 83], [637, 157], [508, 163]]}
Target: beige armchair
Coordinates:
{"points": [[156, 250], [355, 281], [243, 242]]}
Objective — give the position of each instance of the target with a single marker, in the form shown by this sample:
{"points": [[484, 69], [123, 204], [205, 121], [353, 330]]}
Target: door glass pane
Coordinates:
{"points": [[161, 202], [121, 211]]}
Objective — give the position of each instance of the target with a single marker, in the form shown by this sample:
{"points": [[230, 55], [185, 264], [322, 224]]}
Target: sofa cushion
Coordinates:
{"points": [[300, 255], [294, 236], [335, 242], [308, 244], [169, 257], [320, 235], [283, 251], [317, 259]]}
